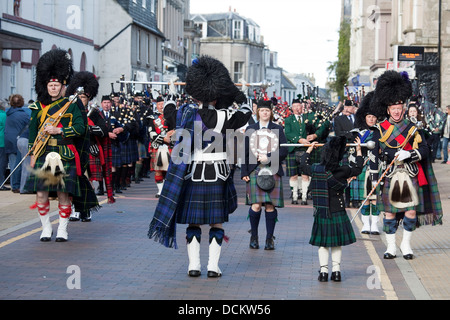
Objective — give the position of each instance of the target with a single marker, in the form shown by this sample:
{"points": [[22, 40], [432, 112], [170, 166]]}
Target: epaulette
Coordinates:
{"points": [[33, 106]]}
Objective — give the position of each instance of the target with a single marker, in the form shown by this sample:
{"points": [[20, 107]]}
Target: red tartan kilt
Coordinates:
{"points": [[95, 169]]}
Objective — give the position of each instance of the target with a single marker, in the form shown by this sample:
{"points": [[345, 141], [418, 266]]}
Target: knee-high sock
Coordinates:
{"points": [[271, 220], [323, 259], [254, 217], [336, 256]]}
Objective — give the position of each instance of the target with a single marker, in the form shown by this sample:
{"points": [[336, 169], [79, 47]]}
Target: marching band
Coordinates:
{"points": [[132, 135]]}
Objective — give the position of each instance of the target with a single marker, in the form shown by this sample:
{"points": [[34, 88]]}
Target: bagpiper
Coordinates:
{"points": [[199, 189], [365, 124], [161, 144], [57, 166], [409, 192], [299, 129], [88, 202]]}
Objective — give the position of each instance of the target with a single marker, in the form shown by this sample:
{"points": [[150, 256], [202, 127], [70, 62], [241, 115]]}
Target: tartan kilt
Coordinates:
{"points": [[71, 182], [256, 195], [88, 199], [357, 187], [154, 159], [332, 232], [95, 168], [384, 205], [116, 154], [142, 150], [206, 202], [129, 151], [293, 167]]}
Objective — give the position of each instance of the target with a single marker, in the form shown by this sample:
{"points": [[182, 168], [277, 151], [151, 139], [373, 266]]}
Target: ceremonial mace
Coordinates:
{"points": [[369, 145], [419, 125], [42, 136]]}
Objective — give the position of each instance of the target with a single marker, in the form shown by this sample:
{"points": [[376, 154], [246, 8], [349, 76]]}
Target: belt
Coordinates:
{"points": [[55, 142]]}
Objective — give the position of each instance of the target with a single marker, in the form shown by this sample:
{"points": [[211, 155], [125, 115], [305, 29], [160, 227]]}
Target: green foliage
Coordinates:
{"points": [[341, 67]]}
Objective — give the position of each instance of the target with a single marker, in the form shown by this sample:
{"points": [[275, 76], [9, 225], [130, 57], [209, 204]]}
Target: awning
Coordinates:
{"points": [[11, 40]]}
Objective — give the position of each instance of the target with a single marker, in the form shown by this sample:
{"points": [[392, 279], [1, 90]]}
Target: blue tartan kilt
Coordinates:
{"points": [[206, 202], [116, 154], [332, 232], [129, 151], [256, 195]]}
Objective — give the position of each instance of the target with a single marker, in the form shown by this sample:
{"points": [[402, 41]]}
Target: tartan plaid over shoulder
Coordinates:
{"points": [[163, 225]]}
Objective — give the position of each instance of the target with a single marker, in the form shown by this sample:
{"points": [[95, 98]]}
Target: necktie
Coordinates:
{"points": [[107, 114]]}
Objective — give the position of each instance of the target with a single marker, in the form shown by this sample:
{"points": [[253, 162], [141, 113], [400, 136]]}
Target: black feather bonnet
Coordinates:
{"points": [[363, 110], [208, 79], [54, 65], [85, 79], [392, 88]]}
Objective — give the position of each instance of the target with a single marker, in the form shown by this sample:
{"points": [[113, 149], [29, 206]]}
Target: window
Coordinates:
{"points": [[13, 77], [238, 71], [237, 32], [138, 46], [152, 6]]}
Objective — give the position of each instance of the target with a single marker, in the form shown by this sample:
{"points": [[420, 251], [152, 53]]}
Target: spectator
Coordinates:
{"points": [[16, 120], [2, 145], [22, 146]]}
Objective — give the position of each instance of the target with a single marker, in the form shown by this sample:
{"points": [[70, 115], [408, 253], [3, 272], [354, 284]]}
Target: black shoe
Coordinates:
{"points": [[270, 245], [213, 274], [336, 276], [254, 243], [5, 188], [375, 233], [408, 256], [294, 202], [118, 190], [304, 203], [387, 255], [194, 273], [60, 240], [323, 276], [444, 162]]}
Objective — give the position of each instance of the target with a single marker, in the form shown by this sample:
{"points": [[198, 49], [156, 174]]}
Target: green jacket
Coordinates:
{"points": [[294, 130], [73, 124]]}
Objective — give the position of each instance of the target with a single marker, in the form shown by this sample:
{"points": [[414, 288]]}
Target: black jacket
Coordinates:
{"points": [[247, 167]]}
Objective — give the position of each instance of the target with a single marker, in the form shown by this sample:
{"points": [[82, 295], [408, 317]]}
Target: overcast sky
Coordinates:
{"points": [[303, 32]]}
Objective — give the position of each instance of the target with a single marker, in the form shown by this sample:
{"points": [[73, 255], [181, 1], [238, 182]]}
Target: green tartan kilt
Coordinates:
{"points": [[71, 183], [357, 187], [256, 195], [332, 232], [293, 167]]}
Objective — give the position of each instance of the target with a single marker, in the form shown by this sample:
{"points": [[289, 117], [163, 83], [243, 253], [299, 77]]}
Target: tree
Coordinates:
{"points": [[341, 67]]}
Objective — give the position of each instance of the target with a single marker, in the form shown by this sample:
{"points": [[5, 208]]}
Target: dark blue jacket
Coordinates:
{"points": [[246, 167], [16, 120]]}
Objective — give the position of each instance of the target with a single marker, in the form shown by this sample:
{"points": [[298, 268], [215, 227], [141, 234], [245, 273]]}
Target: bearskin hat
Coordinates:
{"points": [[85, 79], [363, 110], [333, 151], [55, 64], [392, 88], [208, 79]]}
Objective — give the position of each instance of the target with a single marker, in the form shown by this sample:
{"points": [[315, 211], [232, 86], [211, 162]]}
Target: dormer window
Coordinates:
{"points": [[237, 29]]}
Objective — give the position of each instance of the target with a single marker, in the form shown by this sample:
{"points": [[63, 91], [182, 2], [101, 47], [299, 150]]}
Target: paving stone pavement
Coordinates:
{"points": [[111, 257]]}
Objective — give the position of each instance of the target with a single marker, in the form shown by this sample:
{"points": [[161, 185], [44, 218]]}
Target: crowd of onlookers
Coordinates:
{"points": [[14, 122]]}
